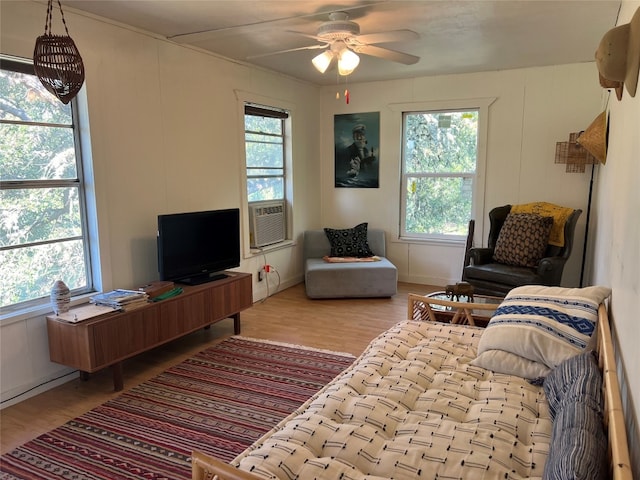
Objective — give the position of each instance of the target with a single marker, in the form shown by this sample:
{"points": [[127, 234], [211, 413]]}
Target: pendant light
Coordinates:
{"points": [[348, 60], [322, 61], [57, 61]]}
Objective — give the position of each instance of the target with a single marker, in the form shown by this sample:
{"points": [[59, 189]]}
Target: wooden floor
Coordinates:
{"points": [[346, 325]]}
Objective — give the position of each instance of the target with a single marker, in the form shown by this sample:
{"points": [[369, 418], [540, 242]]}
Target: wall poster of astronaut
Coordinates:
{"points": [[357, 148]]}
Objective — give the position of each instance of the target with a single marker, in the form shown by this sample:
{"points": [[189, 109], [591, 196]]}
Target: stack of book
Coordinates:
{"points": [[121, 299], [155, 289]]}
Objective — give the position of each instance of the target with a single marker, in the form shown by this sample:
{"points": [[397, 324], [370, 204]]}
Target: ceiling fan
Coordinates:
{"points": [[341, 39]]}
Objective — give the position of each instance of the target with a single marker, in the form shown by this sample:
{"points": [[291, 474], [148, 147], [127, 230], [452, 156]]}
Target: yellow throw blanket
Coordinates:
{"points": [[559, 214]]}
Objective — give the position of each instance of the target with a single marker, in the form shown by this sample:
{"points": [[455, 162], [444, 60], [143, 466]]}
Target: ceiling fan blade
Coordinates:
{"points": [[310, 47], [314, 37], [388, 37], [204, 35], [387, 54]]}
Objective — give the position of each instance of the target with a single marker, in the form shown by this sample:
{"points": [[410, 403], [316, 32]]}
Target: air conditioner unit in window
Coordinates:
{"points": [[266, 223]]}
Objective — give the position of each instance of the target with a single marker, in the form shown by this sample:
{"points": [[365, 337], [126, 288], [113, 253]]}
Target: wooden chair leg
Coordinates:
{"points": [[468, 245]]}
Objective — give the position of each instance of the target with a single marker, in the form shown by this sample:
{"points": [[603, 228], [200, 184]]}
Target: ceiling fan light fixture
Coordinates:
{"points": [[322, 61], [347, 62]]}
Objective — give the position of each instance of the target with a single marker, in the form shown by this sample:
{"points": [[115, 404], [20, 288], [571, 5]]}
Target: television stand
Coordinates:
{"points": [[203, 278], [109, 339]]}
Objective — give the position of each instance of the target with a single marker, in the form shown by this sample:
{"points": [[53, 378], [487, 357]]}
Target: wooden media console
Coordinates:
{"points": [[108, 340]]}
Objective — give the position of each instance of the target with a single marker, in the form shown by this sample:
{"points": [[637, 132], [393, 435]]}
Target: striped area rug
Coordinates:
{"points": [[219, 401]]}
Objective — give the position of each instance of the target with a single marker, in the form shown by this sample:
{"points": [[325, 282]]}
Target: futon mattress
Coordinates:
{"points": [[412, 407]]}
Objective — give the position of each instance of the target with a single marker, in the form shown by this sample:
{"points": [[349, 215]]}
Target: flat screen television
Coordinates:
{"points": [[196, 247]]}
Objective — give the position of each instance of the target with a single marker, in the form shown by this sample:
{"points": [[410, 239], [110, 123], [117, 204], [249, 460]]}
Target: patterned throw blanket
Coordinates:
{"points": [[559, 214]]}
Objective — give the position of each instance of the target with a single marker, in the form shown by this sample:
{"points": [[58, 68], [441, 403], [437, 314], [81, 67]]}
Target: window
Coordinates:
{"points": [[42, 206], [265, 153], [439, 173]]}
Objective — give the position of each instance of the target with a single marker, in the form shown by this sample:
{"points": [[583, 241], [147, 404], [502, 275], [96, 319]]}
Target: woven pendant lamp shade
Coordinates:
{"points": [[594, 138], [57, 61]]}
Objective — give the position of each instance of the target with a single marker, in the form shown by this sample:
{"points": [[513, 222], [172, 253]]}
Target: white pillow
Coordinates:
{"points": [[510, 364], [544, 325]]}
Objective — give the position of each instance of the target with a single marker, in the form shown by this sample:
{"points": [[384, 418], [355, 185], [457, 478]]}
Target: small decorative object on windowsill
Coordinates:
{"points": [[57, 61], [60, 297]]}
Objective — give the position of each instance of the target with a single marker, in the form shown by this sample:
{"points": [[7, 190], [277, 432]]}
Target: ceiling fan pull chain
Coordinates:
{"points": [[347, 95]]}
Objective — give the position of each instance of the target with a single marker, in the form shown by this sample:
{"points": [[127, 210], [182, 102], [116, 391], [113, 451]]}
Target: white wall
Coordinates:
{"points": [[616, 241], [533, 109], [166, 136]]}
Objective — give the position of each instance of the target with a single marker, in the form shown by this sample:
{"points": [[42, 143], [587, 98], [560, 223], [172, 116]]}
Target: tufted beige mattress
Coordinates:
{"points": [[412, 407]]}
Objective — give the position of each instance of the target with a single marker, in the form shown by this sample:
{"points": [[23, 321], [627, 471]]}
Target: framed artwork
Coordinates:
{"points": [[357, 147]]}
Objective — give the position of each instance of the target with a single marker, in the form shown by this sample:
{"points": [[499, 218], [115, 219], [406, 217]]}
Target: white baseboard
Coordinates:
{"points": [[426, 280], [23, 392]]}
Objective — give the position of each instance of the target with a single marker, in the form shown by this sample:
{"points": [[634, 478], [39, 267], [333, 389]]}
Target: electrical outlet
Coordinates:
{"points": [[260, 275]]}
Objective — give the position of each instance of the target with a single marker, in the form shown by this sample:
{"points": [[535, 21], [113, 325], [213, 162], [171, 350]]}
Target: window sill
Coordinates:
{"points": [[256, 252], [446, 242], [9, 317]]}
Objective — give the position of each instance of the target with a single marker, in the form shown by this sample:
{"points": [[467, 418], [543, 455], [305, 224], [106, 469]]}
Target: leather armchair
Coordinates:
{"points": [[491, 278]]}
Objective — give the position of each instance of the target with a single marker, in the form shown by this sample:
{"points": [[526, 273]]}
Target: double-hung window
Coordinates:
{"points": [[268, 178], [439, 171], [43, 234], [265, 153]]}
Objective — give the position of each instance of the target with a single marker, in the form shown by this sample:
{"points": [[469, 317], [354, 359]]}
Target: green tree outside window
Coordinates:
{"points": [[439, 162], [42, 235]]}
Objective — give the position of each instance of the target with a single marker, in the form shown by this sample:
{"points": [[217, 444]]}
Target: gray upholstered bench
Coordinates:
{"points": [[342, 280]]}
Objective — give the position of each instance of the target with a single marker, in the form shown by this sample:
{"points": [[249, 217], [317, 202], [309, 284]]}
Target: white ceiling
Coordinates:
{"points": [[455, 36]]}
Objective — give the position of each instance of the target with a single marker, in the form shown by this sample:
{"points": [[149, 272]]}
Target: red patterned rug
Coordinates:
{"points": [[219, 401]]}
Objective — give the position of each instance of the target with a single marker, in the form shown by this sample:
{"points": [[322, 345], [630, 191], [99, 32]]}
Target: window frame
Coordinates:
{"points": [[253, 109], [481, 105], [243, 98], [78, 182]]}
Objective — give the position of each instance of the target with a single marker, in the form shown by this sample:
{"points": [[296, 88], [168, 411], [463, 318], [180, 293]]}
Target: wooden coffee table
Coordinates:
{"points": [[439, 307]]}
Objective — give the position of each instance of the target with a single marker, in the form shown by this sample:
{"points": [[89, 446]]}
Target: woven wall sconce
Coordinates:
{"points": [[574, 154], [588, 147], [57, 61]]}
